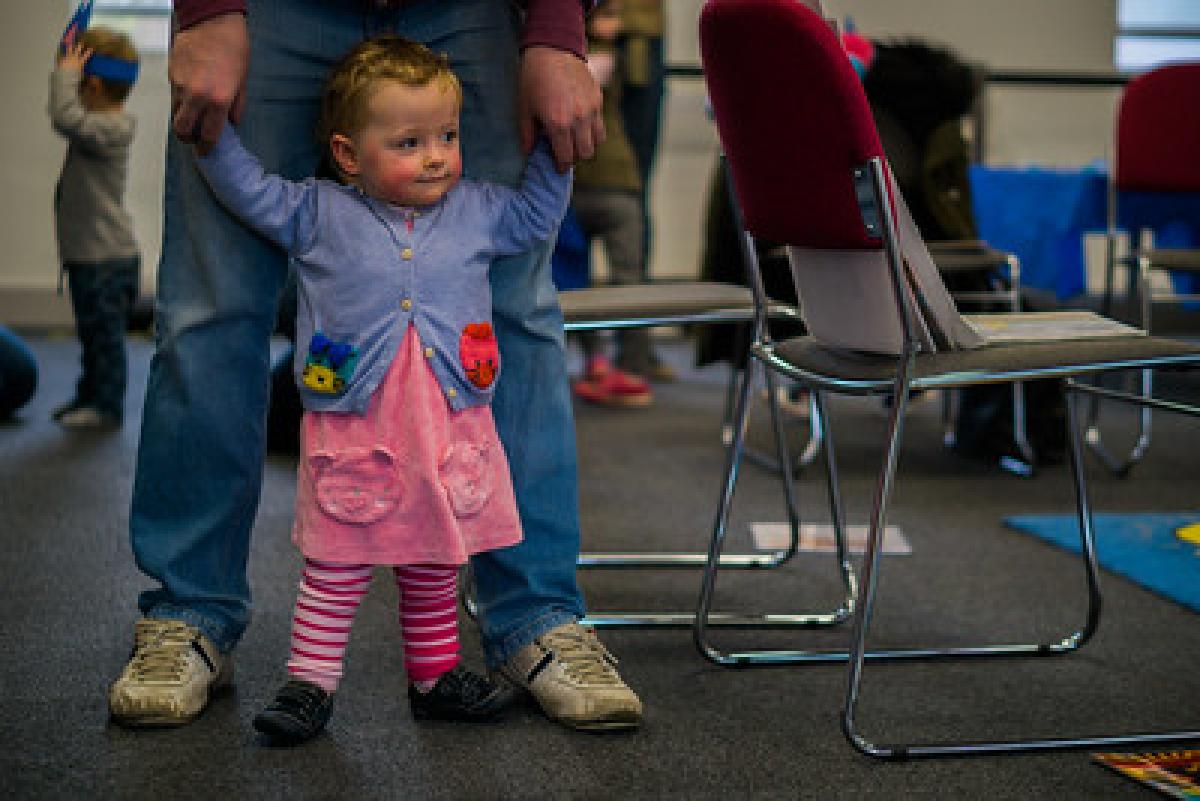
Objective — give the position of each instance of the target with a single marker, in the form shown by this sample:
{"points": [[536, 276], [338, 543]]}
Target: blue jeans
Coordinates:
{"points": [[200, 459]]}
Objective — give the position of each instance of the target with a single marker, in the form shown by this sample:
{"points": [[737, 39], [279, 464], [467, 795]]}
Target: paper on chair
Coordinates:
{"points": [[1041, 326]]}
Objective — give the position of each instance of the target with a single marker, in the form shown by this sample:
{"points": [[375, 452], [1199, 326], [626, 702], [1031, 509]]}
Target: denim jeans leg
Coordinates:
{"points": [[200, 457], [530, 588]]}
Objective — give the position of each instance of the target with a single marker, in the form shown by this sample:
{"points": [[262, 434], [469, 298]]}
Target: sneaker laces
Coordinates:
{"points": [[582, 655], [160, 651]]}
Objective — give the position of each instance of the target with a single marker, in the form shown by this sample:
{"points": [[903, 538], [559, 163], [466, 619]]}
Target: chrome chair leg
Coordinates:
{"points": [[859, 654], [812, 446], [1121, 466], [704, 617]]}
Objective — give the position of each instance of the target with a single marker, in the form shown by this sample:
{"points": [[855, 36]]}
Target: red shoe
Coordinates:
{"points": [[609, 386]]}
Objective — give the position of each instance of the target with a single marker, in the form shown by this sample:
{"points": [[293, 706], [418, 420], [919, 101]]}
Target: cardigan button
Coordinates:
{"points": [[406, 253], [452, 393], [429, 353], [406, 304]]}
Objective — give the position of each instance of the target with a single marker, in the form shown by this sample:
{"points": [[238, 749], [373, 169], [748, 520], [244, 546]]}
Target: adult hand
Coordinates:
{"points": [[207, 70], [558, 92]]}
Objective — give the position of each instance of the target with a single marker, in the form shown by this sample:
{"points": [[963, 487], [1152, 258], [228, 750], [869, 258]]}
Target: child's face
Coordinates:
{"points": [[407, 153]]}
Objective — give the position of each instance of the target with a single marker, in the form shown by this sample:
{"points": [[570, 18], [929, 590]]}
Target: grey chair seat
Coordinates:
{"points": [[993, 363], [1179, 259], [661, 303]]}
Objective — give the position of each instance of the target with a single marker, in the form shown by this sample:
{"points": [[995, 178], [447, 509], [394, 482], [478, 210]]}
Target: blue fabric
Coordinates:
{"points": [[346, 247], [117, 70], [18, 373], [572, 263], [1175, 220], [1040, 215], [200, 458], [1142, 547]]}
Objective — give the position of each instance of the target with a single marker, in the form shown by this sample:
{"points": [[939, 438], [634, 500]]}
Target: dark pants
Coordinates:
{"points": [[102, 294]]}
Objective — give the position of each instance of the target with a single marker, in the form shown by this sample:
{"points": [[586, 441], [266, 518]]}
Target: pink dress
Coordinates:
{"points": [[410, 482]]}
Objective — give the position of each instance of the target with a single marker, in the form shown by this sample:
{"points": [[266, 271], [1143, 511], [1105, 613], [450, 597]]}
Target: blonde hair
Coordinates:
{"points": [[348, 90], [114, 44]]}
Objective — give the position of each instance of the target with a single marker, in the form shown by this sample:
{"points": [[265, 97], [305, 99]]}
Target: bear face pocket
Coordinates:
{"points": [[479, 353], [356, 485], [328, 365], [466, 473]]}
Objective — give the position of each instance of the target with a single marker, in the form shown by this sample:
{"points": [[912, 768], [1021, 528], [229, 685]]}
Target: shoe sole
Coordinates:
{"points": [[160, 720], [279, 730], [623, 721]]}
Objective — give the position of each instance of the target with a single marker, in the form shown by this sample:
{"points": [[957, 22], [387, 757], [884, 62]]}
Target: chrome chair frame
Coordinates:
{"points": [[952, 257], [1144, 258], [900, 376], [666, 304]]}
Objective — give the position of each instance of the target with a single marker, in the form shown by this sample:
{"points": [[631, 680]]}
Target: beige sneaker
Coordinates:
{"points": [[574, 678], [169, 678]]}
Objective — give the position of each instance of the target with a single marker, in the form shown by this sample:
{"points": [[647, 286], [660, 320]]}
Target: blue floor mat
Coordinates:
{"points": [[1156, 550]]}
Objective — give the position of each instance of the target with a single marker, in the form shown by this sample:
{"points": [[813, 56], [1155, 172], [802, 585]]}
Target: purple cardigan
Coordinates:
{"points": [[366, 269]]}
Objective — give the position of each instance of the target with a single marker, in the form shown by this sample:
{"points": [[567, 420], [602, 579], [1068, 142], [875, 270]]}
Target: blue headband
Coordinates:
{"points": [[117, 70]]}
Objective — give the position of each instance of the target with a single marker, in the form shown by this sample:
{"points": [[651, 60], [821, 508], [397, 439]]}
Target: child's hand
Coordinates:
{"points": [[75, 56]]}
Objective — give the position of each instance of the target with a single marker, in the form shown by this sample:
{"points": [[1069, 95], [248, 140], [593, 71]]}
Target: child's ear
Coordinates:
{"points": [[344, 154]]}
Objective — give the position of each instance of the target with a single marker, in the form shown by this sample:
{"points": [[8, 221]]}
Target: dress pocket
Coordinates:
{"points": [[466, 473], [480, 354], [355, 485]]}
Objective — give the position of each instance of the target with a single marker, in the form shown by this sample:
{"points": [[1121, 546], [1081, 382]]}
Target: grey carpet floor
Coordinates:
{"points": [[648, 481]]}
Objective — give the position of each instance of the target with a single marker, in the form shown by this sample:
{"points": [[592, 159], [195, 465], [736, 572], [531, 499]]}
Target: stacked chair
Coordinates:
{"points": [[692, 303], [808, 170], [1155, 185]]}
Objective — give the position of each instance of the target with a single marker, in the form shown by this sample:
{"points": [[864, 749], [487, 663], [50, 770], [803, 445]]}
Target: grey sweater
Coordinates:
{"points": [[90, 220]]}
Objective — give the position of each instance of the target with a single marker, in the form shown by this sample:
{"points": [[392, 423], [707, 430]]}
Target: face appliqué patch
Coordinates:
{"points": [[328, 365], [480, 354]]}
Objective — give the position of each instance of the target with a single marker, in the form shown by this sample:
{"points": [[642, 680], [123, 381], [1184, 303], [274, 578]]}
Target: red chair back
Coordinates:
{"points": [[793, 120], [1158, 131]]}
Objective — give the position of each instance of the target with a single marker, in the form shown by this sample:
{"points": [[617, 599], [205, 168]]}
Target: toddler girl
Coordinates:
{"points": [[396, 363]]}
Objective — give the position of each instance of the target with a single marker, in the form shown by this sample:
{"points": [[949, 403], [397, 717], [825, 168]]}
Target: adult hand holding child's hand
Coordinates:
{"points": [[207, 70]]}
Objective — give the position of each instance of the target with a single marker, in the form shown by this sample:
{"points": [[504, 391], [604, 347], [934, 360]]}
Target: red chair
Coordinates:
{"points": [[808, 170], [1155, 185]]}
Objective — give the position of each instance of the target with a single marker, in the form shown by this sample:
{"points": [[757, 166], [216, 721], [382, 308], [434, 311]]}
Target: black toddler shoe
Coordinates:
{"points": [[299, 712], [459, 695]]}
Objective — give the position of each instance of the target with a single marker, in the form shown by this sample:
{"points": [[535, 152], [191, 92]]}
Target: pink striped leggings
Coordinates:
{"points": [[330, 595]]}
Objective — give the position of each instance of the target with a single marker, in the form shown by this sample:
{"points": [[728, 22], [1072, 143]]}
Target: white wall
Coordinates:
{"points": [[31, 155], [1048, 126], [1066, 127]]}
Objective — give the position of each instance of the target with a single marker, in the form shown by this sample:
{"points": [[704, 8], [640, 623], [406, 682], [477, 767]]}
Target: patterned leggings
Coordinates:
{"points": [[330, 595]]}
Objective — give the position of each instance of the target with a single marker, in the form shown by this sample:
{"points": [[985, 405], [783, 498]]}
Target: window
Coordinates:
{"points": [[148, 22], [1154, 32]]}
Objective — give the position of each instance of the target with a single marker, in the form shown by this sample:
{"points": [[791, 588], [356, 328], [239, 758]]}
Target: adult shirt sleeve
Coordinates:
{"points": [[556, 23], [191, 12]]}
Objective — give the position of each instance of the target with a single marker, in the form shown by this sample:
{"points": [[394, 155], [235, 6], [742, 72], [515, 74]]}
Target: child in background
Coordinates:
{"points": [[607, 201], [396, 363], [99, 255]]}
